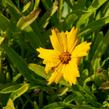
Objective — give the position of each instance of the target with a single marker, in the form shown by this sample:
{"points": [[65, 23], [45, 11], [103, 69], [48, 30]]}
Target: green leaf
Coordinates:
{"points": [[25, 8], [1, 39], [77, 96], [85, 107], [33, 38], [11, 4], [4, 22], [36, 4], [60, 9], [10, 89], [10, 104], [39, 70], [12, 9], [97, 39], [60, 105], [70, 20], [46, 4], [20, 91], [25, 21], [52, 11], [91, 27], [55, 105], [96, 4], [102, 46], [92, 8], [6, 25], [63, 91], [20, 64]]}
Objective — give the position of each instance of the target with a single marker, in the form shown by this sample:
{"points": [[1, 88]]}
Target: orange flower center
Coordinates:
{"points": [[65, 57]]}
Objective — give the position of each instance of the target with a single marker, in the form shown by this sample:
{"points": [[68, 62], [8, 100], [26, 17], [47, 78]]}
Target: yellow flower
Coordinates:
{"points": [[64, 58]]}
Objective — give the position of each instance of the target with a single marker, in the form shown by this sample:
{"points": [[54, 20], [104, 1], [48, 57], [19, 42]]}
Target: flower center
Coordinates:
{"points": [[65, 57]]}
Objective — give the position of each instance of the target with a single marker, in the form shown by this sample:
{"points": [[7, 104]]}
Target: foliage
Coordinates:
{"points": [[26, 25]]}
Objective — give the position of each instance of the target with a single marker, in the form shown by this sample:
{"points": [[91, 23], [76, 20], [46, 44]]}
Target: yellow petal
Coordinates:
{"points": [[72, 80], [81, 50], [73, 67], [59, 74], [54, 38], [50, 65], [50, 58], [66, 75], [52, 78], [70, 73], [63, 41], [48, 54], [72, 39], [56, 75]]}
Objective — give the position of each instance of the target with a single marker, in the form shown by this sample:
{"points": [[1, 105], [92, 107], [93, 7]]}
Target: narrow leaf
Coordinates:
{"points": [[36, 4], [10, 89], [91, 27], [53, 10], [4, 22], [25, 8], [25, 21], [19, 91], [21, 66], [1, 39], [102, 46], [92, 8], [39, 70]]}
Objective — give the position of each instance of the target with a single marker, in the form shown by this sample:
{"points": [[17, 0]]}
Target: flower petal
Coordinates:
{"points": [[63, 40], [72, 39], [73, 67], [68, 77], [54, 38], [50, 65], [81, 50], [56, 75], [52, 78], [48, 54], [50, 58], [70, 73]]}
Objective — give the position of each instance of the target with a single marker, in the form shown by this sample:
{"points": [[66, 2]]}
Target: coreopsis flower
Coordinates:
{"points": [[64, 58]]}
